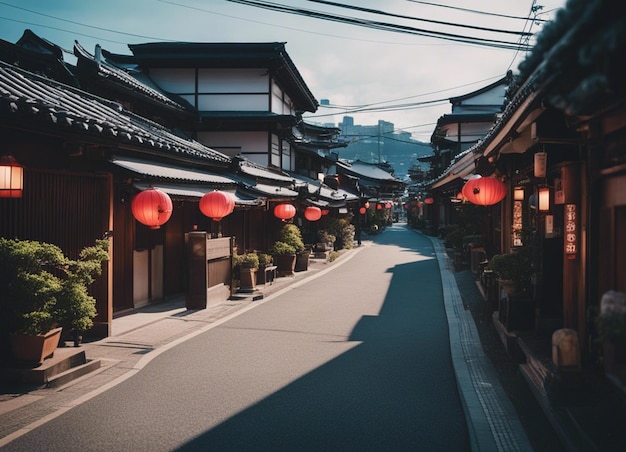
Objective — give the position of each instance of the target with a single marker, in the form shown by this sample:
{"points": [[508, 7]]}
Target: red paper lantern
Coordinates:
{"points": [[325, 211], [152, 207], [312, 213], [484, 191], [379, 207], [429, 201], [217, 204], [362, 210], [284, 211], [388, 205]]}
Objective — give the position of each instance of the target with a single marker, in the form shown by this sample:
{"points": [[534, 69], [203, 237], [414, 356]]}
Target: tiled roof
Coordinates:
{"points": [[102, 68], [162, 171], [27, 98]]}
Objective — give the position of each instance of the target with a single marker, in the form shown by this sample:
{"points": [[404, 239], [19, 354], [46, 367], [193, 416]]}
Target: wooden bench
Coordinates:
{"points": [[270, 274]]}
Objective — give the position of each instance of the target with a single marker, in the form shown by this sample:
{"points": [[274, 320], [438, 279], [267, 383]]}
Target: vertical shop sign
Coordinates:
{"points": [[571, 231]]}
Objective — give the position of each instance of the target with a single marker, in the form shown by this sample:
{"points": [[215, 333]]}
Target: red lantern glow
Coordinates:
{"points": [[379, 207], [152, 207], [312, 213], [429, 201], [11, 177], [217, 204], [484, 191], [388, 205], [325, 211], [362, 210], [284, 211]]}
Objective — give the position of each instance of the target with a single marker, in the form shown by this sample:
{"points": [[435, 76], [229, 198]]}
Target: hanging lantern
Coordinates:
{"points": [[379, 207], [152, 207], [217, 204], [325, 211], [484, 191], [11, 177], [312, 213], [362, 210], [284, 211], [429, 201], [388, 205]]}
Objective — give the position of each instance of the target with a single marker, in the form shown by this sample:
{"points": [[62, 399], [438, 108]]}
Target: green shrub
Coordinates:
{"points": [[41, 288], [280, 248]]}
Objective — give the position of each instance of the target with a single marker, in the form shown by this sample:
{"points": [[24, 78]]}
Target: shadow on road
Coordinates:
{"points": [[396, 390]]}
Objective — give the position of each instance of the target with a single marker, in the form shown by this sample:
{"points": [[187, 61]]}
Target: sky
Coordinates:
{"points": [[363, 72]]}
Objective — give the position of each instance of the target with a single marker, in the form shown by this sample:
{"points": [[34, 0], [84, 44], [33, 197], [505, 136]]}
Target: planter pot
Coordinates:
{"points": [[302, 261], [247, 278], [508, 286], [35, 349], [286, 264]]}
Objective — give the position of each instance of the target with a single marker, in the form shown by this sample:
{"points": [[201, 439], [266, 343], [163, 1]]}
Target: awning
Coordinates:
{"points": [[171, 172], [198, 191], [459, 170]]}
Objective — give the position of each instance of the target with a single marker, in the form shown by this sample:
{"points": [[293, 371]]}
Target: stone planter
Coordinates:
{"points": [[302, 261], [286, 264], [35, 349], [247, 281]]}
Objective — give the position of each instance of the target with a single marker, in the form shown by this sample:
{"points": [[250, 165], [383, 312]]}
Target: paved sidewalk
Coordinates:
{"points": [[139, 337]]}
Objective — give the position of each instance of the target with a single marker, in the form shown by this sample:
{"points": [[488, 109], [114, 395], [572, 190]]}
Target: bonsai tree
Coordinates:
{"points": [[30, 289], [265, 259], [514, 266], [281, 248], [250, 260], [291, 235], [75, 308], [42, 288]]}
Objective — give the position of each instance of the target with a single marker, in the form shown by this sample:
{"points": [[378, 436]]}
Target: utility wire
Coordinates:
{"points": [[383, 26], [399, 16], [474, 11]]}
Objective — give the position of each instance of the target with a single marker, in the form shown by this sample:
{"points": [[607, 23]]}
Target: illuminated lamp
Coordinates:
{"points": [[379, 207], [362, 210], [312, 213], [152, 207], [429, 201], [484, 191], [544, 199], [518, 194], [11, 177], [388, 205], [284, 211], [217, 204], [325, 211]]}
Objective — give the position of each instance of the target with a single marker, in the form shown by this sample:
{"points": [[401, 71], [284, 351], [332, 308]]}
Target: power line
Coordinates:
{"points": [[400, 16], [383, 26], [474, 11]]}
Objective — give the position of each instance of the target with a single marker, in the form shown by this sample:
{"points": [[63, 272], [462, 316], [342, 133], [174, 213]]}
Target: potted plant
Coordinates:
{"points": [[284, 256], [249, 264], [513, 270], [286, 248], [75, 308], [42, 292]]}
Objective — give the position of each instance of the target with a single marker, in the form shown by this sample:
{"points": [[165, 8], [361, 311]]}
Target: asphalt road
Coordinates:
{"points": [[357, 359]]}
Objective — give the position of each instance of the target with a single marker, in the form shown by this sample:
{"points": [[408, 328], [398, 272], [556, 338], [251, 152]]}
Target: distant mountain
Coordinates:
{"points": [[399, 150]]}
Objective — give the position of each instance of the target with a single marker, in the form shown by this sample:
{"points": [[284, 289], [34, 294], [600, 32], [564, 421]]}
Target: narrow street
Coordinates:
{"points": [[357, 359]]}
